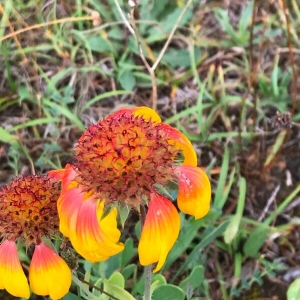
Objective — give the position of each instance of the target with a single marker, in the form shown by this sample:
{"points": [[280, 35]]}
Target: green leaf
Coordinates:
{"points": [[293, 292], [157, 281], [160, 278], [194, 279], [276, 147], [255, 240], [206, 240], [179, 58], [168, 292], [7, 137], [115, 291], [34, 123], [63, 110], [24, 94], [232, 229], [126, 79], [129, 270], [159, 8], [128, 253], [100, 44], [168, 23], [234, 224], [188, 231], [219, 200], [71, 296], [245, 19], [117, 279], [123, 212]]}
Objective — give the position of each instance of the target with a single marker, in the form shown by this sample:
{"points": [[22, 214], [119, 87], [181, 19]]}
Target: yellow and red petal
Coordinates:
{"points": [[194, 191], [80, 219], [48, 273], [93, 238], [159, 233], [12, 277], [182, 143], [68, 205], [70, 200], [146, 112]]}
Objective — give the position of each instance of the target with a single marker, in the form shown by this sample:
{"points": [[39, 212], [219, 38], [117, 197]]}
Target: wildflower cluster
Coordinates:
{"points": [[121, 161]]}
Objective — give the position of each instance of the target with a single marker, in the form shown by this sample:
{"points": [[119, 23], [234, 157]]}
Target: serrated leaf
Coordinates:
{"points": [[168, 292]]}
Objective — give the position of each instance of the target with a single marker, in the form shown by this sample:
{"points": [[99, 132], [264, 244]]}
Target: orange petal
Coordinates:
{"points": [[48, 273], [182, 143], [56, 174], [194, 191], [12, 277], [159, 233], [93, 238]]}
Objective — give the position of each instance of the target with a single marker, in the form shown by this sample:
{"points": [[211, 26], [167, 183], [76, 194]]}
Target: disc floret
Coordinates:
{"points": [[28, 208], [122, 158]]}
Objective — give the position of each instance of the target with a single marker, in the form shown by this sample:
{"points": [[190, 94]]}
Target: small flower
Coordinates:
{"points": [[28, 213], [122, 160]]}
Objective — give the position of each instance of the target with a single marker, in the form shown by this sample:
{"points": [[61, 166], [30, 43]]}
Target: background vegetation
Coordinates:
{"points": [[228, 80]]}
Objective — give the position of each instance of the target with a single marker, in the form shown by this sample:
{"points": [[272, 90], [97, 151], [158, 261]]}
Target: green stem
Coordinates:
{"points": [[147, 269], [148, 278]]}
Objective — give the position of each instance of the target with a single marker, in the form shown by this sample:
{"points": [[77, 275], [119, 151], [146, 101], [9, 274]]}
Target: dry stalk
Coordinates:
{"points": [[36, 26], [133, 30]]}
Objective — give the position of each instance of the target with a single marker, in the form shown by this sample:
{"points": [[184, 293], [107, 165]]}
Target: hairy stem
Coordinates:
{"points": [[147, 269]]}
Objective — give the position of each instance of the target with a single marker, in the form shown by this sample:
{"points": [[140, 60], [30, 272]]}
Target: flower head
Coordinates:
{"points": [[123, 160], [28, 214]]}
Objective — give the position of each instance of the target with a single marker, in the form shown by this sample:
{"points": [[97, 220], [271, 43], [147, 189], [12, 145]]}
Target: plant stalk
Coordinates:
{"points": [[147, 269]]}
